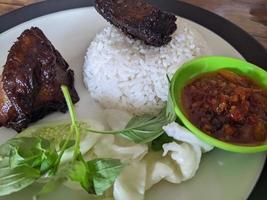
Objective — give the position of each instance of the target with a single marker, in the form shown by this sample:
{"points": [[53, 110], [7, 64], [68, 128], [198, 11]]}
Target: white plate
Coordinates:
{"points": [[222, 175]]}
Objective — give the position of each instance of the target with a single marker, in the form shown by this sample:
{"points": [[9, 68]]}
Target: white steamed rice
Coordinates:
{"points": [[124, 73]]}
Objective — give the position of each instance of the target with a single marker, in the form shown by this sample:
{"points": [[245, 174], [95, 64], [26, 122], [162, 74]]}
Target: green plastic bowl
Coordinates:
{"points": [[210, 64]]}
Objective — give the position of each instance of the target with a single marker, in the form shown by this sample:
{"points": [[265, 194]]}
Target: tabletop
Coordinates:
{"points": [[251, 15]]}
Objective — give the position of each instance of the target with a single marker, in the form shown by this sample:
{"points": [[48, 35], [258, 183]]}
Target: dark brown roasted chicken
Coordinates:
{"points": [[139, 20], [31, 80]]}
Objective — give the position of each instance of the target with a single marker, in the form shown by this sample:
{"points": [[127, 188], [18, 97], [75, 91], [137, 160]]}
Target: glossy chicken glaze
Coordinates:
{"points": [[31, 81]]}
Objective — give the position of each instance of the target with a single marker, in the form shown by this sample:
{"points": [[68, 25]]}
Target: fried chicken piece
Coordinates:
{"points": [[31, 81], [139, 20]]}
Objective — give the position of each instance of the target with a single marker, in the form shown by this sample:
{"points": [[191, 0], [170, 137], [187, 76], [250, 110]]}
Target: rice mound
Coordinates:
{"points": [[126, 74]]}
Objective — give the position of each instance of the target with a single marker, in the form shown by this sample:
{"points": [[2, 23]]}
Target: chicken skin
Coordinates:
{"points": [[139, 19], [30, 86]]}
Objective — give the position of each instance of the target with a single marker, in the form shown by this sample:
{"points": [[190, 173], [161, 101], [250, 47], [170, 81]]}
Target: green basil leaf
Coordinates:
{"points": [[21, 151], [140, 136], [103, 173], [13, 180], [139, 121], [17, 160], [29, 158], [18, 143], [48, 161], [79, 173], [96, 176], [33, 152], [144, 129]]}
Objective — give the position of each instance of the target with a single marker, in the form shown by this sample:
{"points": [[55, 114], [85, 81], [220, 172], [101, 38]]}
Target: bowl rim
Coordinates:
{"points": [[200, 134]]}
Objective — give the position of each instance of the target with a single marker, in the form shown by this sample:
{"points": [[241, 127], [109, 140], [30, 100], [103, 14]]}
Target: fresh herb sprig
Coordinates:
{"points": [[23, 160], [144, 129], [97, 175]]}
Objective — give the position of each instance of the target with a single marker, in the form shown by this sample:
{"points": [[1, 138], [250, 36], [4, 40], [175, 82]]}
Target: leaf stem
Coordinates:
{"points": [[74, 122], [128, 129], [103, 132], [62, 151]]}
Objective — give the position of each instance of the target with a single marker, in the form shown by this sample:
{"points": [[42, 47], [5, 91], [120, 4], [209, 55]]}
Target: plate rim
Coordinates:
{"points": [[244, 43]]}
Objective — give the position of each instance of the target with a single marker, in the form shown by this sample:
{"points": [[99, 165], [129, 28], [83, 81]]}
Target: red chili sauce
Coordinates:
{"points": [[227, 106]]}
